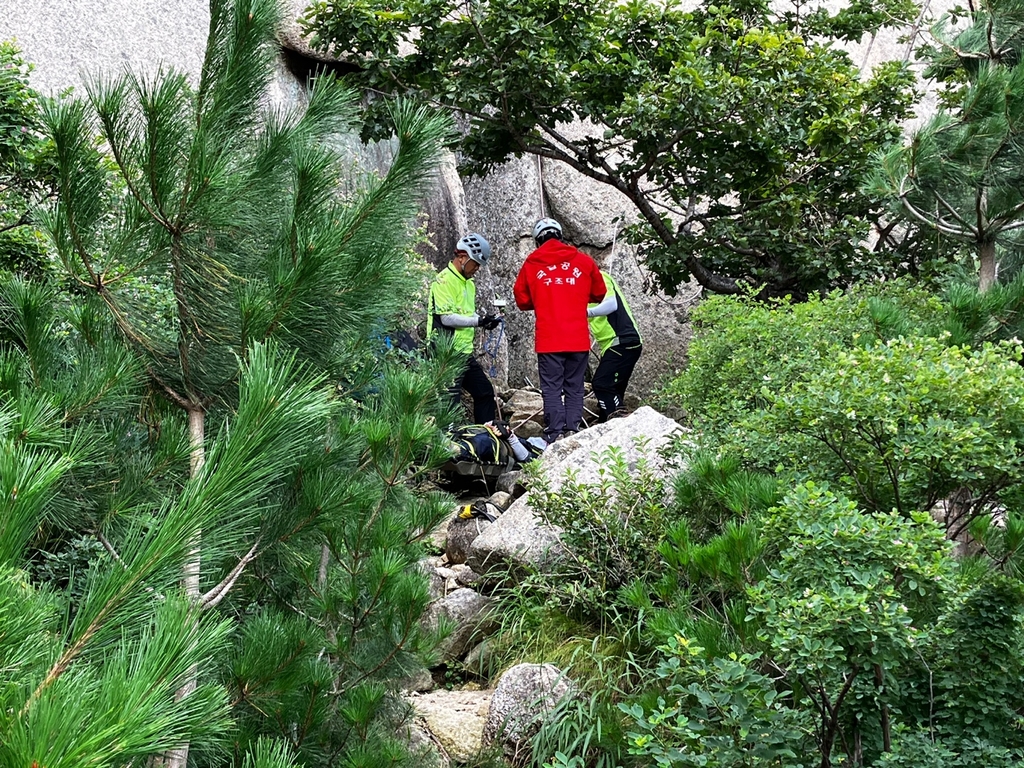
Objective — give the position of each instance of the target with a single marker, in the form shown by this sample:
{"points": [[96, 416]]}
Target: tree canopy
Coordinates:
{"points": [[26, 165], [741, 135]]}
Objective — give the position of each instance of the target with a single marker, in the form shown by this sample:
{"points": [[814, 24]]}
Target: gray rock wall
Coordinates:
{"points": [[71, 40]]}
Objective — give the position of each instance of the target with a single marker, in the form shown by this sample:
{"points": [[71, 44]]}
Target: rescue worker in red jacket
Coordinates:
{"points": [[558, 282]]}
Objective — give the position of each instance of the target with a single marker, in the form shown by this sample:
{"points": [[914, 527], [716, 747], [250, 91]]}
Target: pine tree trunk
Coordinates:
{"points": [[986, 265], [178, 758]]}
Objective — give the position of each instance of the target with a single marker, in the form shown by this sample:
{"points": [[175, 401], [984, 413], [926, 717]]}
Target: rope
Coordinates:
{"points": [[492, 344], [540, 186]]}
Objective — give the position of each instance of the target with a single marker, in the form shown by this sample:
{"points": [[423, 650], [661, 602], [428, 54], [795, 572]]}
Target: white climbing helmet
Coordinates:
{"points": [[545, 226], [476, 246]]}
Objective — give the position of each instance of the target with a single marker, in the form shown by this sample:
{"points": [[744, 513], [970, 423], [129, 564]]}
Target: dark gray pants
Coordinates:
{"points": [[612, 377], [561, 385]]}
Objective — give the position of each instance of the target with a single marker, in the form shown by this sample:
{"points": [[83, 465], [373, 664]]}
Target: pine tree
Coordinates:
{"points": [[188, 401], [962, 173]]}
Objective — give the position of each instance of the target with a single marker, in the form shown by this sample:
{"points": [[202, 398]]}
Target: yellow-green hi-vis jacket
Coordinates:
{"points": [[452, 294]]}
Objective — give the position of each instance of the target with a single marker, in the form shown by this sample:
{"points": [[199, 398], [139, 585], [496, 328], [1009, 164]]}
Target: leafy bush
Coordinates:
{"points": [[922, 750], [718, 713], [610, 537], [26, 165], [842, 610], [969, 687], [638, 567], [902, 425], [744, 350]]}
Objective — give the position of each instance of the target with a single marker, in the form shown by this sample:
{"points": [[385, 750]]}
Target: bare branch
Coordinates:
{"points": [[218, 593]]}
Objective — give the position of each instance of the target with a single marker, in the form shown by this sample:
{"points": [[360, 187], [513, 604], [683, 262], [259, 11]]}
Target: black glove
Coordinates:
{"points": [[502, 430], [487, 322]]}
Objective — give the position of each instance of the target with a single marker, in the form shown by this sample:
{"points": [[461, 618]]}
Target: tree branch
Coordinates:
{"points": [[212, 598]]}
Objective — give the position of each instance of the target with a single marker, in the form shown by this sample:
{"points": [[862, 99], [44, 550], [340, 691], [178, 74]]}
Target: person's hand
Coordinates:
{"points": [[487, 322], [500, 428]]}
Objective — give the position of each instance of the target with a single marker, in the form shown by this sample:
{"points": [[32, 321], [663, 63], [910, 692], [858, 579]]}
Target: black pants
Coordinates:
{"points": [[475, 382], [561, 386], [612, 377]]}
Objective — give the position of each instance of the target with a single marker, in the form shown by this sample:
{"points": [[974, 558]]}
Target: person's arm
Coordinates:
{"points": [[446, 302], [606, 307], [460, 321], [598, 289], [521, 291]]}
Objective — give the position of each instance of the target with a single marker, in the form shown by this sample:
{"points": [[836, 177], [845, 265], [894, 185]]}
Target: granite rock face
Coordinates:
{"points": [[469, 615], [455, 719], [70, 42]]}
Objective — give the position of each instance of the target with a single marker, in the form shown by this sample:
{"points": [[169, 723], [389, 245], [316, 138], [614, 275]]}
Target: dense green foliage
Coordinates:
{"points": [[740, 140], [26, 165], [903, 425], [746, 350], [793, 597], [723, 713], [211, 403], [211, 505]]}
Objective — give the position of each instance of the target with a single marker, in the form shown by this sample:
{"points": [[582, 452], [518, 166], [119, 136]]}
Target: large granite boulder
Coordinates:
{"points": [[519, 538], [455, 720], [523, 696], [468, 613]]}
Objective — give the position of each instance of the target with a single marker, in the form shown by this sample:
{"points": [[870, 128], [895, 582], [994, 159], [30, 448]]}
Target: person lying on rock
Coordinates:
{"points": [[490, 443]]}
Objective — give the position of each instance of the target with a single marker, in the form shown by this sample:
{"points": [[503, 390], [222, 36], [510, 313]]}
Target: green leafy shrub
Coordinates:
{"points": [[640, 564], [843, 607], [610, 537], [717, 713], [969, 687], [744, 350], [639, 557], [26, 165], [922, 750], [902, 425]]}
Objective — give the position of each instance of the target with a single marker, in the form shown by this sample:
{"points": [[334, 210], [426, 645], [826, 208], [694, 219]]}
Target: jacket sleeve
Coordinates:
{"points": [[597, 287], [606, 307], [521, 291]]}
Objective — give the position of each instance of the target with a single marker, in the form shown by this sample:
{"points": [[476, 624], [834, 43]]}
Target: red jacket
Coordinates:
{"points": [[557, 282]]}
